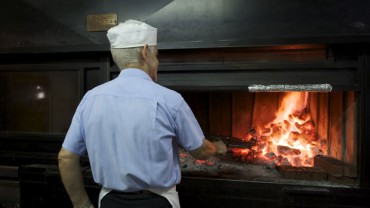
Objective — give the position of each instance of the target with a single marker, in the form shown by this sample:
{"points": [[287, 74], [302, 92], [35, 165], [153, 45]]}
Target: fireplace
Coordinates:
{"points": [[273, 136], [292, 118]]}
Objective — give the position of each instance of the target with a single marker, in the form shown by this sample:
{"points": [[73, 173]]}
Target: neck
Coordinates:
{"points": [[144, 68]]}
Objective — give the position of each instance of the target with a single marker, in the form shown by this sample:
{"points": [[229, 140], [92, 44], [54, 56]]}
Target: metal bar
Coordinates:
{"points": [[283, 88]]}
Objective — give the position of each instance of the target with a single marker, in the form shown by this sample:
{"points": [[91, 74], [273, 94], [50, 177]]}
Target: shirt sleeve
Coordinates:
{"points": [[189, 134], [74, 140]]}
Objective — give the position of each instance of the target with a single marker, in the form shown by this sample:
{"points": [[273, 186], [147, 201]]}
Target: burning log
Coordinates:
{"points": [[284, 162], [240, 149], [259, 147], [293, 136], [304, 139], [271, 156], [233, 142], [266, 131], [296, 161], [284, 150], [307, 127], [243, 154]]}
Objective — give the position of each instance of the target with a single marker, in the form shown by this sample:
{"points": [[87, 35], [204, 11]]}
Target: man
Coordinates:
{"points": [[130, 128]]}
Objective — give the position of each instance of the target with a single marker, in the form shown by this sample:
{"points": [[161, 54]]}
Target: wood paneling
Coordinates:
{"points": [[264, 109], [322, 116], [199, 103], [350, 128], [220, 113], [242, 110], [336, 125]]}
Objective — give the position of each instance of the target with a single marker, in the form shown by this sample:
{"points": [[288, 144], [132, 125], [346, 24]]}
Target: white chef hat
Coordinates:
{"points": [[132, 33]]}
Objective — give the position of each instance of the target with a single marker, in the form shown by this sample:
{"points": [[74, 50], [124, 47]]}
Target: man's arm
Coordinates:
{"points": [[70, 171], [208, 149]]}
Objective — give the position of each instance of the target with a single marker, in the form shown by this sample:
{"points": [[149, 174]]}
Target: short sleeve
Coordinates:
{"points": [[74, 140], [189, 134]]}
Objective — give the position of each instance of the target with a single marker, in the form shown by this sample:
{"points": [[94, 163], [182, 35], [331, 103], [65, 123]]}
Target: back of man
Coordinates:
{"points": [[130, 128]]}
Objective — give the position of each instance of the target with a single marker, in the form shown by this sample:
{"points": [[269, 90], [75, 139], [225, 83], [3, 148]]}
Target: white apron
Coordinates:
{"points": [[169, 193]]}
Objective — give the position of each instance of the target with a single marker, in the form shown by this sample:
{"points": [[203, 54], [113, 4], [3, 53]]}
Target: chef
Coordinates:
{"points": [[131, 129]]}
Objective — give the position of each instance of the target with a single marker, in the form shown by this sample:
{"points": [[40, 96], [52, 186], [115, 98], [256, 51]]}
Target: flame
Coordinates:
{"points": [[291, 136], [290, 139]]}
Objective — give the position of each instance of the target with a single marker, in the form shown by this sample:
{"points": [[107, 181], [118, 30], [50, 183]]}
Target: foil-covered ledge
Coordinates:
{"points": [[284, 88]]}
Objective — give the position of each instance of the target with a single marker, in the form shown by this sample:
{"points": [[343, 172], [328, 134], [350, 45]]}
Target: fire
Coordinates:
{"points": [[290, 139]]}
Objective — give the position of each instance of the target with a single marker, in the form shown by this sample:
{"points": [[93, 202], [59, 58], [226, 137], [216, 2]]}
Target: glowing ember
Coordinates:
{"points": [[204, 162], [290, 139]]}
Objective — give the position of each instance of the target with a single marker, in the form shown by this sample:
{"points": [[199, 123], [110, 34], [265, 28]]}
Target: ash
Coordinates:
{"points": [[239, 168], [227, 167]]}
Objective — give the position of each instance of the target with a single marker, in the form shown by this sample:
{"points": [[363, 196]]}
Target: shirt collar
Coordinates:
{"points": [[132, 72]]}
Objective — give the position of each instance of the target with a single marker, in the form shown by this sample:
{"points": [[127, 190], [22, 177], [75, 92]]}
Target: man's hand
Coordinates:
{"points": [[221, 147], [209, 149]]}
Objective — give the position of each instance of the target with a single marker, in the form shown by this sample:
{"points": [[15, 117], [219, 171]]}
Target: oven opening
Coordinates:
{"points": [[288, 137]]}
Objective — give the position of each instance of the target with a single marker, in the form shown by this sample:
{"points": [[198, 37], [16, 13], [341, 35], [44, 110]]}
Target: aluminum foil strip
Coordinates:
{"points": [[283, 88]]}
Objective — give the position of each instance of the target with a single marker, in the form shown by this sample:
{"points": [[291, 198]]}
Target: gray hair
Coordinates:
{"points": [[128, 57]]}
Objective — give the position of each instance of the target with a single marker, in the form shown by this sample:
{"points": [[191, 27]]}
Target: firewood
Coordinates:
{"points": [[335, 167], [233, 142], [284, 150]]}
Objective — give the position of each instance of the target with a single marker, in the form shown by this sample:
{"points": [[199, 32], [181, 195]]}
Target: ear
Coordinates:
{"points": [[144, 52]]}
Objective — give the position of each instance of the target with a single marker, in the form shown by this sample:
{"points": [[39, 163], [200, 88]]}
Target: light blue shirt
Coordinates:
{"points": [[130, 128]]}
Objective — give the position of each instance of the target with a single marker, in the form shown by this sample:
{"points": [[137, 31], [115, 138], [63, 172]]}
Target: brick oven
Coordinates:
{"points": [[284, 84]]}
